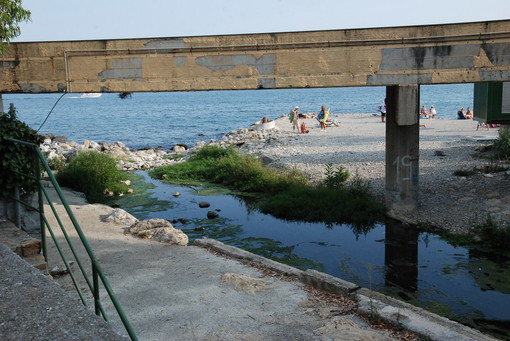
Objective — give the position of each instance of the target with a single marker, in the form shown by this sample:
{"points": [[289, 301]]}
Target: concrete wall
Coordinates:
{"points": [[454, 53]]}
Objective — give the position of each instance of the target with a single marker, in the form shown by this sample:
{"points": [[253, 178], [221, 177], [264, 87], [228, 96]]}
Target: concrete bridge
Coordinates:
{"points": [[400, 58]]}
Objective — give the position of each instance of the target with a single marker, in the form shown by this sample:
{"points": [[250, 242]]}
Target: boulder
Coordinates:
{"points": [[203, 204], [179, 149], [60, 139], [119, 217], [160, 230]]}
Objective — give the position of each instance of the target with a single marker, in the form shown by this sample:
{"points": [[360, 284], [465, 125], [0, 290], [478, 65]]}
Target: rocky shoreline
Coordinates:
{"points": [[448, 202], [250, 139]]}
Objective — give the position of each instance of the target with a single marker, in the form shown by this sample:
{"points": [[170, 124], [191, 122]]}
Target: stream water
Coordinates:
{"points": [[467, 285]]}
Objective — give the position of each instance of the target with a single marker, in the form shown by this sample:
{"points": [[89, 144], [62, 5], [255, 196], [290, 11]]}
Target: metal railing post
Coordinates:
{"points": [[16, 209], [95, 281], [41, 208]]}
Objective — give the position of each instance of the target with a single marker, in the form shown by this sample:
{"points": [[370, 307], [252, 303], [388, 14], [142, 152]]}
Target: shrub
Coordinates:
{"points": [[494, 234], [93, 173], [57, 163], [15, 157], [501, 147], [335, 178]]}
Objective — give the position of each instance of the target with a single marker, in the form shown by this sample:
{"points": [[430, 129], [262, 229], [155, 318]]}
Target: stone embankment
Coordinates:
{"points": [[250, 139], [58, 147]]}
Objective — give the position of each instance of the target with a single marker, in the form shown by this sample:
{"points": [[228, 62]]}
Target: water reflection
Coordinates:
{"points": [[469, 286], [401, 257]]}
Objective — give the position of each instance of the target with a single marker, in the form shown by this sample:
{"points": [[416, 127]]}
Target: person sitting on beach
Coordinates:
{"points": [[322, 117], [461, 115], [432, 112], [303, 128], [294, 118], [423, 111], [469, 114]]}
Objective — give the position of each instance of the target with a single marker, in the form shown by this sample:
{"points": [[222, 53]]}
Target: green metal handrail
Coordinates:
{"points": [[97, 273]]}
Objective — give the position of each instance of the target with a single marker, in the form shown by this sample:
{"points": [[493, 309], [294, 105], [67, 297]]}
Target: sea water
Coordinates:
{"points": [[165, 119]]}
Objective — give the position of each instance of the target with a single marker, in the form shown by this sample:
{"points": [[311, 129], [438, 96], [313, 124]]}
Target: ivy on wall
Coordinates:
{"points": [[15, 157]]}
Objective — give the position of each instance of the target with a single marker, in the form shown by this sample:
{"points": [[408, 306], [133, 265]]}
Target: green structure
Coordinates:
{"points": [[492, 102]]}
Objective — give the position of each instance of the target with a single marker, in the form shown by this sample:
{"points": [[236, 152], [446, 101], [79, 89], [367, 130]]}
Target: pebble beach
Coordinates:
{"points": [[449, 202]]}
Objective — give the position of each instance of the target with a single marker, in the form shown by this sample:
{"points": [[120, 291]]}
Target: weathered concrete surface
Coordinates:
{"points": [[450, 53], [34, 308], [416, 319]]}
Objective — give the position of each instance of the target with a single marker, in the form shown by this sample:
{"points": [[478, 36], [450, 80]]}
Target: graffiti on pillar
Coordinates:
{"points": [[405, 162]]}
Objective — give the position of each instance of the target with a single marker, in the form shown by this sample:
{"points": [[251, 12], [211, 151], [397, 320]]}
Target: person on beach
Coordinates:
{"points": [[323, 117], [383, 111], [303, 128], [469, 114], [432, 112], [461, 115], [294, 118], [423, 111]]}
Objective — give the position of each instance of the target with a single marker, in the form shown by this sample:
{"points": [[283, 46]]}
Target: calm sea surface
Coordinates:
{"points": [[166, 119]]}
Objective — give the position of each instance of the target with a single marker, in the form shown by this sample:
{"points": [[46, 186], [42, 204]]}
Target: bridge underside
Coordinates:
{"points": [[400, 58]]}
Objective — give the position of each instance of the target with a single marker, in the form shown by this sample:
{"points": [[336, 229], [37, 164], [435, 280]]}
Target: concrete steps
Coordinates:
{"points": [[22, 244]]}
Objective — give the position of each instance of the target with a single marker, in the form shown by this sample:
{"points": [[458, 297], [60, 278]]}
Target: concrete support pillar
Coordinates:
{"points": [[402, 151]]}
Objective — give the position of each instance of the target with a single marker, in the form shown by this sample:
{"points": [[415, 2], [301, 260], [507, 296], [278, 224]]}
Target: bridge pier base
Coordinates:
{"points": [[402, 151]]}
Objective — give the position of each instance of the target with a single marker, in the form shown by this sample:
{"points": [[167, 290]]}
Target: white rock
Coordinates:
{"points": [[160, 230], [119, 217]]}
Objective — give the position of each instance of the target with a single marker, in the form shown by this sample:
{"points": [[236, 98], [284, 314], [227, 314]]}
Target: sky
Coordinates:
{"points": [[60, 20]]}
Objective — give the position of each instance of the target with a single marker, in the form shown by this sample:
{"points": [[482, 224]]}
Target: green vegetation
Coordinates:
{"points": [[285, 195], [243, 173], [94, 174], [501, 147], [489, 235], [493, 234], [335, 178], [57, 163], [16, 158], [465, 172], [11, 15]]}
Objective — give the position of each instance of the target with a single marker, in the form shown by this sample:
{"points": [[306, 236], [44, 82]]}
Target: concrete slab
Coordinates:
{"points": [[34, 308]]}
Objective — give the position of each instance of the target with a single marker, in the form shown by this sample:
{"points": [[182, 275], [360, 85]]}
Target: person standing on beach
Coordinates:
{"points": [[294, 118], [383, 111], [322, 117]]}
